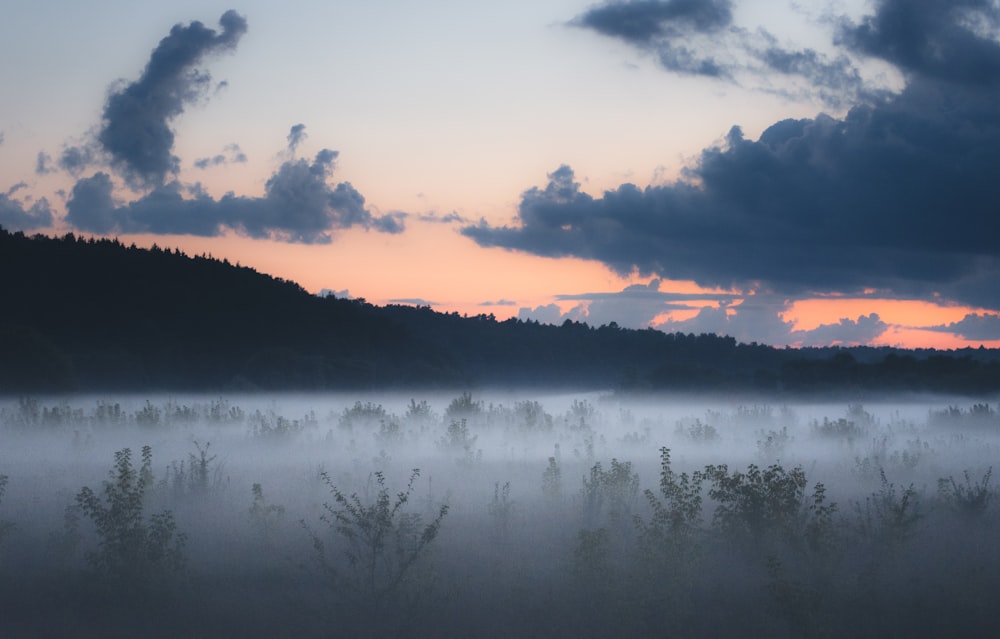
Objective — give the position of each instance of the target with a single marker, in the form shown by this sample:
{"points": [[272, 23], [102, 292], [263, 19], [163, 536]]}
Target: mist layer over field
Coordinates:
{"points": [[495, 515]]}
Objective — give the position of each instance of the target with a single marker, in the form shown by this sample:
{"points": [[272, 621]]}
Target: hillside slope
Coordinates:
{"points": [[87, 315]]}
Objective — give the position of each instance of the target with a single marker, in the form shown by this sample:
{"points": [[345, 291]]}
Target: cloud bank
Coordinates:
{"points": [[298, 205], [899, 195]]}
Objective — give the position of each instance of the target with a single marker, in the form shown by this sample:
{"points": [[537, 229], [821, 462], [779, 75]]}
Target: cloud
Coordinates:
{"points": [[699, 38], [327, 292], [135, 130], [636, 306], [43, 164], [232, 155], [952, 41], [16, 215], [412, 301], [450, 218], [640, 22], [299, 205], [667, 27], [500, 302], [974, 326], [295, 136], [846, 332], [758, 319], [75, 159], [552, 314], [900, 194]]}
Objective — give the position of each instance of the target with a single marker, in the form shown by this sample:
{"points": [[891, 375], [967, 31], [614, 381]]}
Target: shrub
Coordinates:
{"points": [[380, 542], [5, 526], [615, 488], [889, 518], [758, 505], [131, 549], [265, 517], [970, 499]]}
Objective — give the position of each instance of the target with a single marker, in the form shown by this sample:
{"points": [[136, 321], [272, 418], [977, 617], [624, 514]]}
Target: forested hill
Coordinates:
{"points": [[96, 315]]}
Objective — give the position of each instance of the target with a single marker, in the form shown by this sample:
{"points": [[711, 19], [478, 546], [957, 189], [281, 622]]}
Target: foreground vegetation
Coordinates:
{"points": [[466, 517]]}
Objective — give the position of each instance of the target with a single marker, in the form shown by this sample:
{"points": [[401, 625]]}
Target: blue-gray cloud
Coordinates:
{"points": [[74, 159], [664, 26], [699, 37], [753, 321], [16, 215], [952, 41], [295, 136], [499, 302], [636, 306], [43, 164], [450, 218], [299, 205], [136, 127], [412, 301], [232, 154], [900, 194], [975, 326]]}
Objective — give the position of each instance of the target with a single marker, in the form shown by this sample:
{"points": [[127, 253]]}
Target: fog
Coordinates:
{"points": [[496, 514]]}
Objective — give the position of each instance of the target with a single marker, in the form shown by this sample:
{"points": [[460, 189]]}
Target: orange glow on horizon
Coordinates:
{"points": [[432, 262], [809, 314]]}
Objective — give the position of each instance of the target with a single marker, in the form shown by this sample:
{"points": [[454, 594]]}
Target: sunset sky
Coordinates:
{"points": [[791, 173]]}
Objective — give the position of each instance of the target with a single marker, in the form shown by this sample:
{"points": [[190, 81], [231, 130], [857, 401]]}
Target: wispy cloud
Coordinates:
{"points": [[499, 302], [232, 154]]}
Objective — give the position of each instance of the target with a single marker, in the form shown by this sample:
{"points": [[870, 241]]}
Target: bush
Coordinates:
{"points": [[131, 549], [380, 542]]}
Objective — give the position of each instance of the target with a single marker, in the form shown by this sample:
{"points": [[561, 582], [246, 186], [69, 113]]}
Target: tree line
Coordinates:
{"points": [[88, 314]]}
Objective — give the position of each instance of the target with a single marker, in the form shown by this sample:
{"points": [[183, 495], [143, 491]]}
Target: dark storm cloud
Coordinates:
{"points": [[298, 205], [975, 326], [900, 194], [16, 215], [232, 155], [135, 130]]}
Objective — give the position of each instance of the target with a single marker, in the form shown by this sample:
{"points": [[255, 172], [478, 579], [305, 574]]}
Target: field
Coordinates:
{"points": [[496, 515]]}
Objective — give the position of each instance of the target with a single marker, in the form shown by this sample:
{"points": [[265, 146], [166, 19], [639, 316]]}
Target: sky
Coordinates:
{"points": [[787, 173]]}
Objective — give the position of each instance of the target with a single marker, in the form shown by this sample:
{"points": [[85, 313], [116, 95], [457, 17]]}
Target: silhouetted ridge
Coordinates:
{"points": [[95, 314]]}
